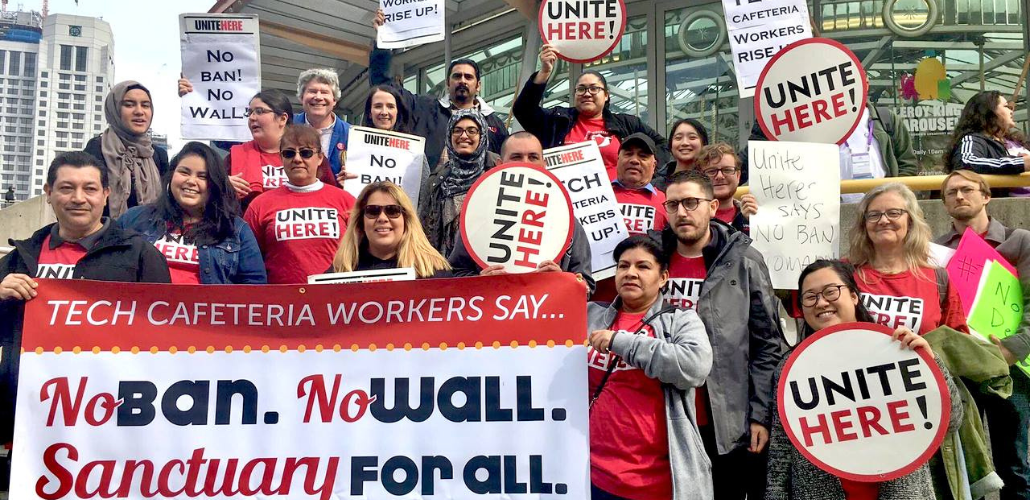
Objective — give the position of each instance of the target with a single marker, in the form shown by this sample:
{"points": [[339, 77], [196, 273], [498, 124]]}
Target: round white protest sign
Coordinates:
{"points": [[516, 215], [859, 406], [814, 90], [582, 30]]}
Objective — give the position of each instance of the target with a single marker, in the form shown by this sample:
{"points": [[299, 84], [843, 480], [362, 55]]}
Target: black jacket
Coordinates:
{"points": [[553, 124], [576, 259], [984, 155], [430, 113], [118, 255], [160, 159]]}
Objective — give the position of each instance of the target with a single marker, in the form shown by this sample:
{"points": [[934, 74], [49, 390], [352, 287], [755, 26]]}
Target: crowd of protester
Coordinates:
{"points": [[686, 340]]}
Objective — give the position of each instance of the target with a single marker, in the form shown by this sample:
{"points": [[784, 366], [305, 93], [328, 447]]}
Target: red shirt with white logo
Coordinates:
{"points": [[263, 171], [642, 209], [59, 262], [854, 490], [726, 214], [299, 229], [182, 256], [909, 299], [629, 441], [594, 130], [686, 276]]}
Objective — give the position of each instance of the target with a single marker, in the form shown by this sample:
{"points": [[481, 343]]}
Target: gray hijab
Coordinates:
{"points": [[129, 157], [464, 170]]}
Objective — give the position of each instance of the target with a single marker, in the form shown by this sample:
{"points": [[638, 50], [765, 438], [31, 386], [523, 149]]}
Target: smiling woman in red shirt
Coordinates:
{"points": [[298, 225], [890, 248]]}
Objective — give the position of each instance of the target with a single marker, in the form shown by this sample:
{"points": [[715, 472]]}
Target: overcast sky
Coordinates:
{"points": [[146, 46]]}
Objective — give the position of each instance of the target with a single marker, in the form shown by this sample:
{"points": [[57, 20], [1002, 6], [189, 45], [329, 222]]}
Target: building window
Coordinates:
{"points": [[42, 93], [62, 105], [44, 74], [64, 86], [15, 68], [100, 79], [66, 57], [30, 64], [100, 88], [42, 85], [65, 77], [42, 113], [80, 78], [41, 143], [81, 57], [98, 108], [80, 88], [3, 58]]}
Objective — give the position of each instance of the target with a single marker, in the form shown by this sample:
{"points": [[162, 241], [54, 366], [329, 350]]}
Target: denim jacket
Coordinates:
{"points": [[234, 260]]}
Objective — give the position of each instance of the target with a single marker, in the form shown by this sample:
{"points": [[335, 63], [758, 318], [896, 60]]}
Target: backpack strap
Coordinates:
{"points": [[942, 286], [883, 114]]}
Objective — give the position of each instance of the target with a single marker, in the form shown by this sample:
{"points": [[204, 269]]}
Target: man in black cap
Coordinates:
{"points": [[641, 203]]}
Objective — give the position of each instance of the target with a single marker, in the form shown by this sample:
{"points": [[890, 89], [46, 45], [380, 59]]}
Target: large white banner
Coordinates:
{"points": [[221, 57], [797, 186], [467, 388], [411, 22], [580, 168], [381, 155], [758, 30]]}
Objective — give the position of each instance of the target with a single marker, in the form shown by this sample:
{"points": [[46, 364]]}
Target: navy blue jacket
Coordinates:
{"points": [[234, 260], [337, 142]]}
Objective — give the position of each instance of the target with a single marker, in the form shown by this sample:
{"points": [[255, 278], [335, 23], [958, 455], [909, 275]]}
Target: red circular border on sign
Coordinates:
{"points": [[622, 30], [827, 41], [942, 427], [496, 170]]}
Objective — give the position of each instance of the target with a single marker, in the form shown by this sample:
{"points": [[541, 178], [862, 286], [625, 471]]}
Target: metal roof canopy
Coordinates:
{"points": [[301, 34]]}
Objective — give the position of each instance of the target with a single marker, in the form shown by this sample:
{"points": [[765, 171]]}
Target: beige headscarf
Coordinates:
{"points": [[129, 157]]}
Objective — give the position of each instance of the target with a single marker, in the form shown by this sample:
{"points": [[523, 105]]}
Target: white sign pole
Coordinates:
{"points": [[381, 155], [797, 186], [221, 57], [580, 168], [758, 30], [410, 23]]}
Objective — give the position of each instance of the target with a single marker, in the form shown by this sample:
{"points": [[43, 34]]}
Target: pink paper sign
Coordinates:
{"points": [[968, 263]]}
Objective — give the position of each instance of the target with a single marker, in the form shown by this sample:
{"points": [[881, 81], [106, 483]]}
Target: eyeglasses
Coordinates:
{"points": [[259, 111], [305, 153], [592, 90], [726, 172], [966, 191], [373, 211], [472, 132], [892, 214], [688, 203], [831, 293]]}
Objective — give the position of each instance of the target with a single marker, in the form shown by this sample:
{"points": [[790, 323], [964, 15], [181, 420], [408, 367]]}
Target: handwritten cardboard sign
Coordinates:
{"points": [[580, 168], [221, 56], [797, 186], [813, 90], [967, 265], [410, 23], [758, 31], [858, 406], [582, 30], [516, 215]]}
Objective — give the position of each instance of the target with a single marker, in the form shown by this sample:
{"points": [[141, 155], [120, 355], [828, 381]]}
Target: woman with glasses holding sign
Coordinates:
{"points": [[466, 157], [298, 225], [195, 223], [645, 361], [384, 233], [890, 249], [590, 120], [829, 296]]}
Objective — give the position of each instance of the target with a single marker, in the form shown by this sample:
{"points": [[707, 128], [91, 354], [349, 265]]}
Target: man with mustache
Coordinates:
{"points": [[722, 165], [714, 270], [966, 195], [431, 113], [80, 245], [640, 202]]}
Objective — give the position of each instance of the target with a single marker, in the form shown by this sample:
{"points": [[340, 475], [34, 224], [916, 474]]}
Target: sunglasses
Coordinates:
{"points": [[373, 211], [305, 153]]}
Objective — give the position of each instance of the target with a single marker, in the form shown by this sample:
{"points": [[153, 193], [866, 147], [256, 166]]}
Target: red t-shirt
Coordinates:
{"points": [[686, 276], [59, 263], [183, 258], [593, 130], [854, 490], [726, 215], [264, 171], [299, 231], [908, 299], [641, 209], [629, 441]]}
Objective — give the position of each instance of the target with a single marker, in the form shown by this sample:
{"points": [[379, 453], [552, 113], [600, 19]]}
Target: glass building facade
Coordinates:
{"points": [[924, 59]]}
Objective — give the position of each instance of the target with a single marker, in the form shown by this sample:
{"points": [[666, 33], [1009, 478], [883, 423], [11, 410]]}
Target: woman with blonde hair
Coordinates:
{"points": [[890, 249], [384, 232]]}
